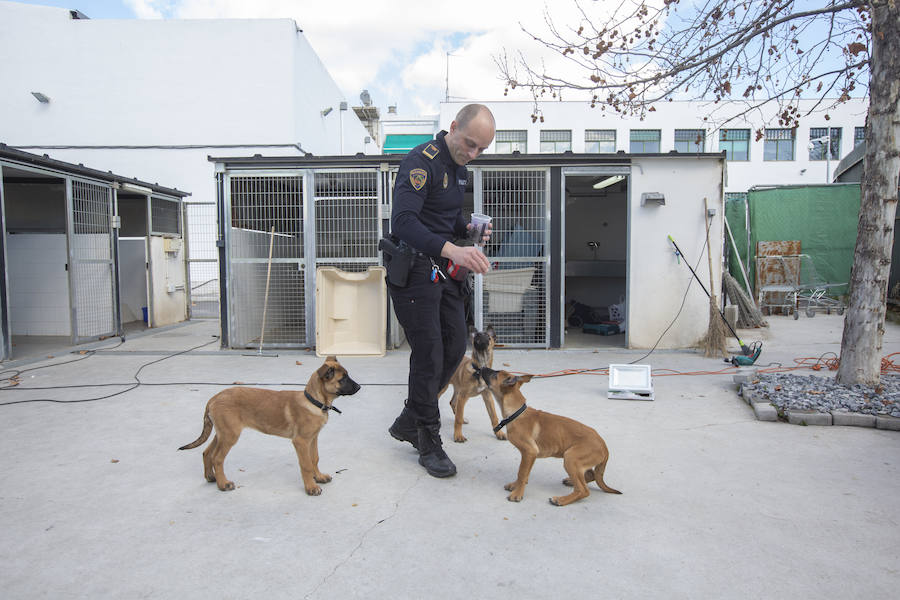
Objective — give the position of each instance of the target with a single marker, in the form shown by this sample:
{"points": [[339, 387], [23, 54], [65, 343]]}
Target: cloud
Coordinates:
{"points": [[397, 49]]}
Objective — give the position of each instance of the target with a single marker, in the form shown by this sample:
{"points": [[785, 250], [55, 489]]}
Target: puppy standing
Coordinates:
{"points": [[467, 382], [286, 413], [538, 434]]}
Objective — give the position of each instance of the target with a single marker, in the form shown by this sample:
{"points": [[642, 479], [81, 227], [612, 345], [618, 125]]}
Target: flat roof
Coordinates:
{"points": [[45, 161], [509, 160]]}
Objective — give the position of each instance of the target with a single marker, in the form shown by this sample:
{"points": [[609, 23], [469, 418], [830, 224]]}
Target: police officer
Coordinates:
{"points": [[427, 216]]}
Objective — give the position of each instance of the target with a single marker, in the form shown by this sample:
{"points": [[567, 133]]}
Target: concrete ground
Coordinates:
{"points": [[97, 503]]}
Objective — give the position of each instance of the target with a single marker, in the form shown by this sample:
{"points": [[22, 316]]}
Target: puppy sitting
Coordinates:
{"points": [[286, 413], [467, 382], [538, 434]]}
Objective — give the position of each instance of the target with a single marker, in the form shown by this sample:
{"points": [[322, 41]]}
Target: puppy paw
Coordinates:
{"points": [[460, 438], [515, 497], [227, 487], [314, 490], [555, 501], [210, 478], [323, 478], [501, 435], [509, 486]]}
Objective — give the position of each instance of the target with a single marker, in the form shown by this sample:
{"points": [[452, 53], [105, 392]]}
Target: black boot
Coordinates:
{"points": [[404, 429], [431, 452]]}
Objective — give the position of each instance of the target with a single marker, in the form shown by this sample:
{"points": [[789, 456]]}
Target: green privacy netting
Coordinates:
{"points": [[823, 217]]}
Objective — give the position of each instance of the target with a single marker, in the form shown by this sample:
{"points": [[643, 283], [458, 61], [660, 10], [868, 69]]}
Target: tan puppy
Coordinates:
{"points": [[538, 434], [286, 413], [467, 382]]}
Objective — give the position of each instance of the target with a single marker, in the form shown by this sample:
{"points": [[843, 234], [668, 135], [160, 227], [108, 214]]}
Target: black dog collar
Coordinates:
{"points": [[509, 419], [325, 408]]}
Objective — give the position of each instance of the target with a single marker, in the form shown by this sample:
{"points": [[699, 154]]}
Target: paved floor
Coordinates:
{"points": [[97, 503]]}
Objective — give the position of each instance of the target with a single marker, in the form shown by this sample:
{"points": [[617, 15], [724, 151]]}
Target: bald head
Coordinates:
{"points": [[470, 133]]}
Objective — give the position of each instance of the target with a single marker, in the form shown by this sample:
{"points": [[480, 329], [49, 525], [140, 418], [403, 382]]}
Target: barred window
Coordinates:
{"points": [[859, 136], [690, 140], [735, 143], [821, 138], [507, 141], [600, 140], [556, 140], [164, 216], [644, 140], [779, 144]]}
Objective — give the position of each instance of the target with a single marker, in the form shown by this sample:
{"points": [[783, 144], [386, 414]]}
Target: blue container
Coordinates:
{"points": [[144, 313]]}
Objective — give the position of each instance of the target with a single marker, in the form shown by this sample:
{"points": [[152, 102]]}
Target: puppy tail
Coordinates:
{"points": [[204, 435], [598, 477]]}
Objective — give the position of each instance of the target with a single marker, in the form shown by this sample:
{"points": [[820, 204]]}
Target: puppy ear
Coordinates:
{"points": [[472, 330], [509, 381], [490, 331], [524, 378], [325, 372], [331, 358]]}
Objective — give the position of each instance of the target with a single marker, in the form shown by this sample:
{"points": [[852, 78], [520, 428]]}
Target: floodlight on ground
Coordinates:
{"points": [[43, 99], [326, 111]]}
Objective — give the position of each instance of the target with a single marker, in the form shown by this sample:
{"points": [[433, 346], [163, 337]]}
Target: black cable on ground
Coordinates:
{"points": [[133, 386]]}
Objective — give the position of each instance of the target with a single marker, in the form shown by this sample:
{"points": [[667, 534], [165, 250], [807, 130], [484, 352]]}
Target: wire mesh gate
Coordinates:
{"points": [[320, 218], [202, 261], [92, 284], [514, 294]]}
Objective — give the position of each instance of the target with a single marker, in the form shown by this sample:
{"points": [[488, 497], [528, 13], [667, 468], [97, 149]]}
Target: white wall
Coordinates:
{"points": [[742, 175], [38, 284], [656, 280], [166, 83]]}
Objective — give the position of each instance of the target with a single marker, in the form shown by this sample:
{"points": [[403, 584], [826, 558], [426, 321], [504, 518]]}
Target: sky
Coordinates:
{"points": [[397, 50]]}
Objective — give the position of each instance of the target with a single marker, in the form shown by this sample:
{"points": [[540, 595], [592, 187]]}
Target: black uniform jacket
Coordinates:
{"points": [[428, 197]]}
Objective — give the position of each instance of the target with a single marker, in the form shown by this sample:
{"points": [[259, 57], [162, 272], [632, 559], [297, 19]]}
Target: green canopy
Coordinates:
{"points": [[403, 143]]}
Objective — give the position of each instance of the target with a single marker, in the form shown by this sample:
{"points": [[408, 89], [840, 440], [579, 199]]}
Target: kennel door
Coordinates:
{"points": [[266, 296], [514, 296], [92, 282]]}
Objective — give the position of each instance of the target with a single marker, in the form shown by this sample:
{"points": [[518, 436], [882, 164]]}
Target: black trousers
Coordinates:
{"points": [[433, 316]]}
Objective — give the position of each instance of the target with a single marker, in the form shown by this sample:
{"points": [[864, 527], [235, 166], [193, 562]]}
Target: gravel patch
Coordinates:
{"points": [[820, 393]]}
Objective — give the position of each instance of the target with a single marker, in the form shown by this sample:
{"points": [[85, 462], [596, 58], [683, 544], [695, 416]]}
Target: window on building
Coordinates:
{"points": [[690, 140], [735, 143], [600, 140], [779, 144], [859, 136], [556, 140], [507, 141], [821, 138], [644, 140]]}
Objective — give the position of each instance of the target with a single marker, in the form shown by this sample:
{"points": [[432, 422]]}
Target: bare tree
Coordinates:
{"points": [[742, 55]]}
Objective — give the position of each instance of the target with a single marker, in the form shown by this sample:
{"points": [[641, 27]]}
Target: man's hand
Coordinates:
{"points": [[470, 257]]}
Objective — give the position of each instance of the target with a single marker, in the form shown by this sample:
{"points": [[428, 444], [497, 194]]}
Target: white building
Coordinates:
{"points": [[154, 98], [782, 156]]}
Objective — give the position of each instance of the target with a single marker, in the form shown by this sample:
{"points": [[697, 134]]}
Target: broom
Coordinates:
{"points": [[714, 341]]}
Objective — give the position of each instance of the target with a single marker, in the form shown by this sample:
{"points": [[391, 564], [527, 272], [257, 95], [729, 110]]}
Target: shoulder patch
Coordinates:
{"points": [[417, 178], [430, 151]]}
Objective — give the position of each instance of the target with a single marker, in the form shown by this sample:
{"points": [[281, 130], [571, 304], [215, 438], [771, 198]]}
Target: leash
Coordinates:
{"points": [[325, 408], [510, 418]]}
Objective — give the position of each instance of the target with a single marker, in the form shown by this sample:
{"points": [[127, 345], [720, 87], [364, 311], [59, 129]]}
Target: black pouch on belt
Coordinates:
{"points": [[397, 260]]}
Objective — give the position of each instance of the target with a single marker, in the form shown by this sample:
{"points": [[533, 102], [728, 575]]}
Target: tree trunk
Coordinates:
{"points": [[864, 323]]}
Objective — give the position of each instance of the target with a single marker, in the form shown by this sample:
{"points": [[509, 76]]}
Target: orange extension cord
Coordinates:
{"points": [[811, 362]]}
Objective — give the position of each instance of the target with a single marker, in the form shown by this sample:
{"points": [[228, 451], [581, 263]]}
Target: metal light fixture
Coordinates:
{"points": [[656, 197], [326, 111], [612, 179], [43, 99]]}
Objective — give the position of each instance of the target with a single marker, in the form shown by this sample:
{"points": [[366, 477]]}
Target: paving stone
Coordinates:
{"points": [[885, 422], [842, 417], [745, 375], [751, 395], [765, 411], [808, 417]]}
